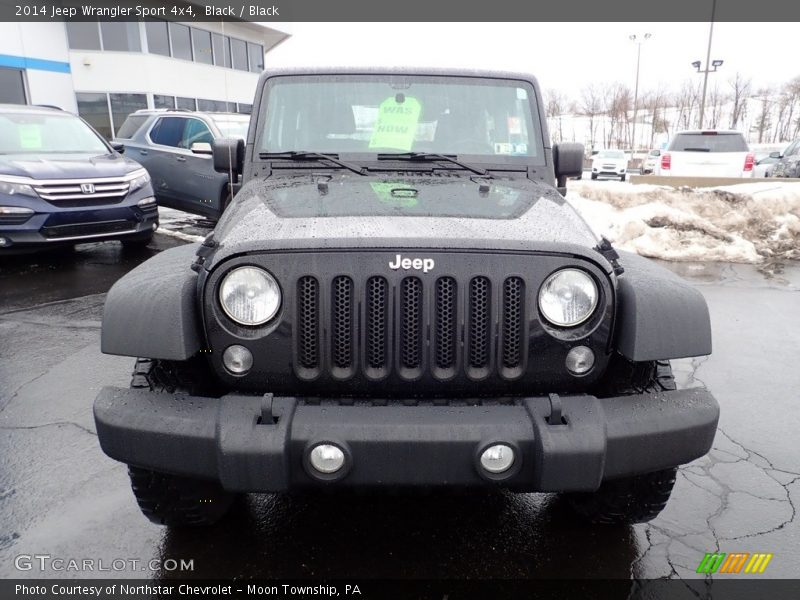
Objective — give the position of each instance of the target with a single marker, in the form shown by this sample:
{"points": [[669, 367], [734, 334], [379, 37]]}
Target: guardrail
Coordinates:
{"points": [[705, 181]]}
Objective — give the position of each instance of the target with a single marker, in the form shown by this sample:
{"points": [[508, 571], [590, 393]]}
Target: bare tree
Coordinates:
{"points": [[741, 90], [687, 98], [555, 108], [590, 105], [764, 117], [656, 104], [716, 101]]}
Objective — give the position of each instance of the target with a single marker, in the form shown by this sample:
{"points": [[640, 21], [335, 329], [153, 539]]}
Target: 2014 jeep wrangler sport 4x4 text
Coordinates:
{"points": [[400, 296]]}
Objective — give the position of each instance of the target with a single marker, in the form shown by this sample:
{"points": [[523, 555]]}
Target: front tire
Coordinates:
{"points": [[640, 498], [164, 498], [594, 175]]}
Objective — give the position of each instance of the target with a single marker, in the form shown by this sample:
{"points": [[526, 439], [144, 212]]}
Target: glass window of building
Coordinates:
{"points": [[94, 109], [243, 108], [201, 40], [160, 101], [256, 54], [12, 86], [222, 50], [83, 36], [239, 54], [124, 104], [215, 105], [181, 41], [185, 103], [157, 37], [121, 36]]}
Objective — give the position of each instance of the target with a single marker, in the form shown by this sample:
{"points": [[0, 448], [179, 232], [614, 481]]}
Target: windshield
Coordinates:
{"points": [[611, 154], [60, 133], [709, 142], [231, 125], [492, 119]]}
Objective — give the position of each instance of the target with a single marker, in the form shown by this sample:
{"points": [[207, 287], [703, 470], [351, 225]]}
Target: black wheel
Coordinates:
{"points": [[640, 498], [164, 498], [594, 175], [137, 241], [622, 178]]}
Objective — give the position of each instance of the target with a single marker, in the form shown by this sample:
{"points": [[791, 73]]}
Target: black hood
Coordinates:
{"points": [[66, 166], [438, 212]]}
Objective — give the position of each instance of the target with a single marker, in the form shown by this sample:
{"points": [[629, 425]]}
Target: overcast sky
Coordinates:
{"points": [[564, 56]]}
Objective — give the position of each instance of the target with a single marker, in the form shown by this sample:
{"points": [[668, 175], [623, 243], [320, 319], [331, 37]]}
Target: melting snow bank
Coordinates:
{"points": [[748, 223]]}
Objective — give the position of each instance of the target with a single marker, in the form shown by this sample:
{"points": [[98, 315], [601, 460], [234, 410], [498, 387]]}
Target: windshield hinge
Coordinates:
{"points": [[204, 251], [610, 254]]}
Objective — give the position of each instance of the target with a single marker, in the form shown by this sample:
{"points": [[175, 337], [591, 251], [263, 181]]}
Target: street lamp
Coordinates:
{"points": [[638, 40], [716, 63]]}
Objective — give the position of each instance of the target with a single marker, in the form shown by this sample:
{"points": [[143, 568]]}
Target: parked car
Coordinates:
{"points": [[175, 148], [62, 183], [650, 163], [714, 153], [610, 163], [787, 162], [402, 299]]}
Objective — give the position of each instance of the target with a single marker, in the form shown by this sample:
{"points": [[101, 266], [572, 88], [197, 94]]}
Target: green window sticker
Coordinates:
{"points": [[396, 127], [30, 137], [395, 192]]}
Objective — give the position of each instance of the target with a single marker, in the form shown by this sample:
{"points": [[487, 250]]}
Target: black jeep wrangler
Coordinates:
{"points": [[400, 296]]}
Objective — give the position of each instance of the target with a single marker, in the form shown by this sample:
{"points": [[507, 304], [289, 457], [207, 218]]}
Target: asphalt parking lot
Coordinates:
{"points": [[61, 496]]}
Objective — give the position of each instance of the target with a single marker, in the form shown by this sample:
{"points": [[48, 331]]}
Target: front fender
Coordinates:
{"points": [[660, 316], [152, 311]]}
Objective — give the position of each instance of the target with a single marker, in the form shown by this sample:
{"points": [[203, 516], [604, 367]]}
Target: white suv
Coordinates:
{"points": [[610, 163], [707, 154]]}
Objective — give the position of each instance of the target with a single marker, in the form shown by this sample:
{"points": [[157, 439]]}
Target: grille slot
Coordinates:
{"points": [[513, 304], [446, 319], [307, 322], [377, 321], [479, 322], [342, 322], [411, 323]]}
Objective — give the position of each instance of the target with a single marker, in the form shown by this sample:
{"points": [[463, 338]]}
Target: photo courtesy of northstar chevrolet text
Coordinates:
{"points": [[302, 300]]}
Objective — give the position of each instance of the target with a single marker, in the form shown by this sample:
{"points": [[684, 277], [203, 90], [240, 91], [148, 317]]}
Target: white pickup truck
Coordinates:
{"points": [[707, 154]]}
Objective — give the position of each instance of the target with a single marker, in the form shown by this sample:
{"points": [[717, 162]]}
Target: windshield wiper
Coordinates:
{"points": [[306, 155], [432, 156]]}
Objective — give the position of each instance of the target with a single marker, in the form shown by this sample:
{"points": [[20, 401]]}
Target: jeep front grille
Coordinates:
{"points": [[410, 327], [71, 193]]}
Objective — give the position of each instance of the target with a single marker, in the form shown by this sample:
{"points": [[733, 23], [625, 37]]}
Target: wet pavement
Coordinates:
{"points": [[60, 495]]}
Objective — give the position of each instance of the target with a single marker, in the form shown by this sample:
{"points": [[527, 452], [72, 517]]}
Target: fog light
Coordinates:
{"points": [[497, 458], [146, 201], [237, 359], [155, 226], [580, 360], [326, 458], [4, 242]]}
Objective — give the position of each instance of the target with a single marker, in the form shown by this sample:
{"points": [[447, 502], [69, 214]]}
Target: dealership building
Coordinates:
{"points": [[105, 71]]}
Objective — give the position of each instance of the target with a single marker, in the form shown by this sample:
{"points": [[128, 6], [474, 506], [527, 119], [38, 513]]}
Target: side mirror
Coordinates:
{"points": [[117, 147], [229, 157], [775, 155], [567, 162], [201, 148]]}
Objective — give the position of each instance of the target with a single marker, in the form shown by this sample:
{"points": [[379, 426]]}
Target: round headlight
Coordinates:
{"points": [[250, 296], [568, 297]]}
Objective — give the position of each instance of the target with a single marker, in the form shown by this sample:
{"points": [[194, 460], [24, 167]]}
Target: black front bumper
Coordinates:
{"points": [[254, 444]]}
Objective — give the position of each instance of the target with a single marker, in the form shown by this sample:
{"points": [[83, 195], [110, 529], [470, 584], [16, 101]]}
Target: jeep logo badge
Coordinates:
{"points": [[424, 264], [87, 188]]}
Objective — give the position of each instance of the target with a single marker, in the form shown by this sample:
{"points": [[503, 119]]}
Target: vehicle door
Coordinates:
{"points": [[790, 155], [194, 173], [160, 158]]}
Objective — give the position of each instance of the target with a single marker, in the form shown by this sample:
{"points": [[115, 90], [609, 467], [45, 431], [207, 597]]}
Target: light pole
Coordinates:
{"points": [[706, 71], [639, 41]]}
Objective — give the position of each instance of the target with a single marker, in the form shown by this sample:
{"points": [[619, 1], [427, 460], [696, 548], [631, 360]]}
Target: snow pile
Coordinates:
{"points": [[749, 223]]}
